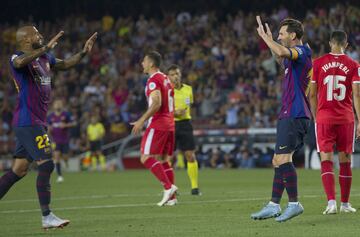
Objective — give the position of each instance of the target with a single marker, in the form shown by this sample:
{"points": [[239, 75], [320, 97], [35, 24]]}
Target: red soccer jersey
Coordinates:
{"points": [[334, 75], [163, 119]]}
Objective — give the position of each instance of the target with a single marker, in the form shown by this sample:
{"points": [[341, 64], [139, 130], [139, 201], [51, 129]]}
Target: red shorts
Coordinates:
{"points": [[157, 142], [341, 135]]}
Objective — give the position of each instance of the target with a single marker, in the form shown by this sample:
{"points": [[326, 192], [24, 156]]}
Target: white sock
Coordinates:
{"points": [[345, 204], [332, 203], [293, 203], [273, 203]]}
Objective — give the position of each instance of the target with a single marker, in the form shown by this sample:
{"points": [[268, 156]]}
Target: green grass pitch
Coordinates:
{"points": [[123, 204]]}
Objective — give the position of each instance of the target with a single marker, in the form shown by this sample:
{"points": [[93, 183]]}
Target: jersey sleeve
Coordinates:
{"points": [[12, 58], [51, 58], [356, 74], [153, 85], [297, 53]]}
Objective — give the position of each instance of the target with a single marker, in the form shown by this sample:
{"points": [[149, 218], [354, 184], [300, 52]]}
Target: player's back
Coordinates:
{"points": [[334, 75], [163, 119]]}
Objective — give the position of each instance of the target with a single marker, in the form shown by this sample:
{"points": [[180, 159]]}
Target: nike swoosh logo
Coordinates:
{"points": [[282, 147]]}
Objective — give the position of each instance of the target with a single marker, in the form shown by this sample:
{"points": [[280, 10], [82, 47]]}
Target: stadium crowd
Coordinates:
{"points": [[235, 80]]}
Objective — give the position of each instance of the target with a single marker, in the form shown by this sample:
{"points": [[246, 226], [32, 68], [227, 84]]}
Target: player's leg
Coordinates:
{"points": [[325, 140], [152, 144], [193, 171], [101, 157], [345, 145], [18, 171], [93, 155], [57, 162], [37, 145], [296, 130]]}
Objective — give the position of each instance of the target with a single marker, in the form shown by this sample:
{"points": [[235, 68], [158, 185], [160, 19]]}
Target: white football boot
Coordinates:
{"points": [[167, 195], [52, 221]]}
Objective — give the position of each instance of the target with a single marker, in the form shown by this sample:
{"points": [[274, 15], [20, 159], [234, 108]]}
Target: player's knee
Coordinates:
{"points": [[47, 166], [20, 171], [143, 159]]}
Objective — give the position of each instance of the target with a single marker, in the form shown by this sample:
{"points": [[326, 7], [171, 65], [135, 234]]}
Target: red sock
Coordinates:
{"points": [[170, 174], [328, 179], [345, 178], [156, 168]]}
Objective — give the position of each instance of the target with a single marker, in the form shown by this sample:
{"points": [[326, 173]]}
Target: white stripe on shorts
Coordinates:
{"points": [[148, 142]]}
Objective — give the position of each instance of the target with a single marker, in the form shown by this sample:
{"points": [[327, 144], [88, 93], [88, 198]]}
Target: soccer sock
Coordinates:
{"points": [[43, 186], [345, 179], [58, 168], [94, 162], [157, 169], [6, 181], [169, 172], [290, 180], [328, 179], [102, 162], [278, 186], [193, 170]]}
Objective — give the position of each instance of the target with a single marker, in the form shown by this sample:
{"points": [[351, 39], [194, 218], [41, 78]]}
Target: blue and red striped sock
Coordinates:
{"points": [[6, 181], [43, 186], [290, 180], [278, 186]]}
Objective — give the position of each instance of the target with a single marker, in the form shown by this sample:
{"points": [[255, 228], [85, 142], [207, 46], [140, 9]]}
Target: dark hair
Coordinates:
{"points": [[293, 26], [173, 67], [339, 37], [155, 58]]}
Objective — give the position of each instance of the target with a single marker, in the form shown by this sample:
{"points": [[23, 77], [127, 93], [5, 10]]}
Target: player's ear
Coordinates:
{"points": [[293, 36]]}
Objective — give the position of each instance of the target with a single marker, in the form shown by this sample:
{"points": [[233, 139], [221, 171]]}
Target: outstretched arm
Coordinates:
{"points": [[277, 49], [26, 58], [64, 64]]}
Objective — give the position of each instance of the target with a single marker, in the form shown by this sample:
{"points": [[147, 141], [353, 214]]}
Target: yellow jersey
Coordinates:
{"points": [[183, 100], [95, 132]]}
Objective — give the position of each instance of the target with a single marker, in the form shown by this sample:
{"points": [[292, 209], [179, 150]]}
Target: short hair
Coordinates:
{"points": [[155, 58], [293, 26], [173, 67], [339, 37]]}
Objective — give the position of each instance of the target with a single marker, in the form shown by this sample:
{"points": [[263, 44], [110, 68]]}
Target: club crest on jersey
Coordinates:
{"points": [[152, 86]]}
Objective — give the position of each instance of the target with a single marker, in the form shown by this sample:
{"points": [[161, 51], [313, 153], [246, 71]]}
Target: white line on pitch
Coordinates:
{"points": [[152, 204]]}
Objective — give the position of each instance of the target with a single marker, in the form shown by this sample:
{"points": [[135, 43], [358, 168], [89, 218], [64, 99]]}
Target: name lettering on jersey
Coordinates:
{"points": [[330, 65]]}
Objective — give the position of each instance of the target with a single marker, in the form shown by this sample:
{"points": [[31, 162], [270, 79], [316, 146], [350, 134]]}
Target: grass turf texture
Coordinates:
{"points": [[124, 204]]}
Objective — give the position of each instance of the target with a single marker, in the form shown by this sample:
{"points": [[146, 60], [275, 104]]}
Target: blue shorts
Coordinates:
{"points": [[63, 148], [32, 143], [290, 133]]}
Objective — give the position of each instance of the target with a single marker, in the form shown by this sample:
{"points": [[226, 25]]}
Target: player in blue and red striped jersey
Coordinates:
{"points": [[294, 116], [59, 124], [31, 67]]}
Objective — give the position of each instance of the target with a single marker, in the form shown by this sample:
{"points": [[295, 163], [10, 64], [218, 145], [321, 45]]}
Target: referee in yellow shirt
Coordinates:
{"points": [[95, 133], [184, 137]]}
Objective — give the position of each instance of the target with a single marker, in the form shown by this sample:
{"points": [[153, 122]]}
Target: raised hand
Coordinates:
{"points": [[53, 42], [90, 43]]}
